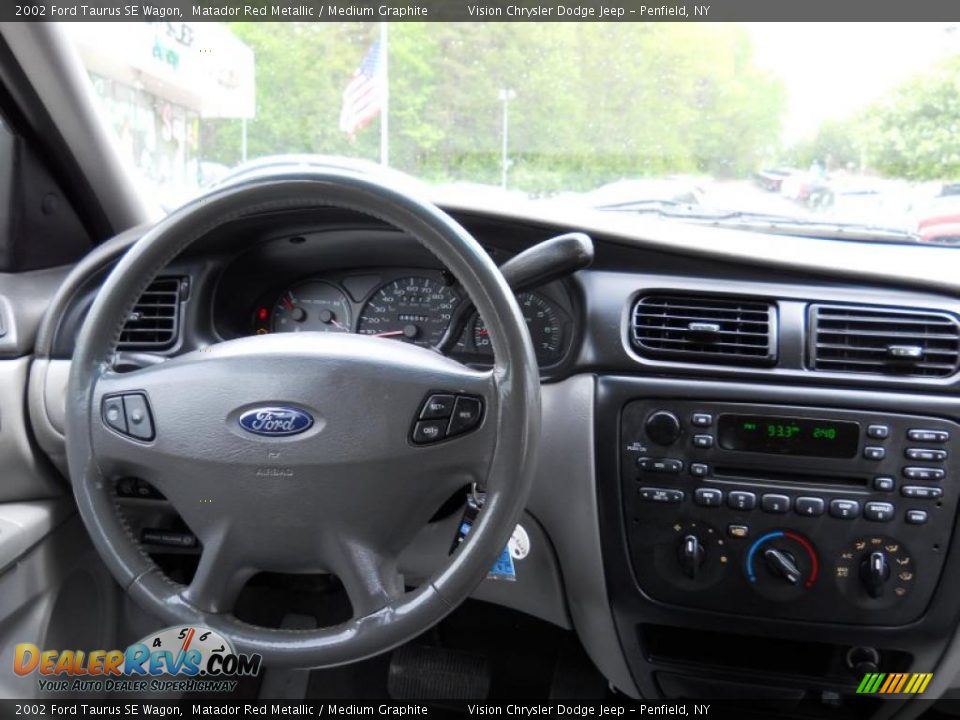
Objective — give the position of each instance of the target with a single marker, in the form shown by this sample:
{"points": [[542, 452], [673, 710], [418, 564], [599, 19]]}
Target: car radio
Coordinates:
{"points": [[791, 512]]}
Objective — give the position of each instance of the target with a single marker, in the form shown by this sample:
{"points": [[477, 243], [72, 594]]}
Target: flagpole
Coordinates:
{"points": [[385, 110]]}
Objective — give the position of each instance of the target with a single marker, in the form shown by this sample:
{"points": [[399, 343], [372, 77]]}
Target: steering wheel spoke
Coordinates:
{"points": [[369, 576], [220, 576]]}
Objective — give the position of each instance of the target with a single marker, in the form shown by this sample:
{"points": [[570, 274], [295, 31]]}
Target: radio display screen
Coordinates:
{"points": [[789, 435]]}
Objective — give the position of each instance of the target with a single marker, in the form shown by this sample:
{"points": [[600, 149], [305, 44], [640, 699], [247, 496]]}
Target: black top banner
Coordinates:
{"points": [[482, 10]]}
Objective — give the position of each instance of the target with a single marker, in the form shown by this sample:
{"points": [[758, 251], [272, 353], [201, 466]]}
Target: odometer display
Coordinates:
{"points": [[543, 324], [413, 309], [789, 435]]}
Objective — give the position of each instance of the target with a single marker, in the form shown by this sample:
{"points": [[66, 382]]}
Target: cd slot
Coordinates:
{"points": [[779, 476]]}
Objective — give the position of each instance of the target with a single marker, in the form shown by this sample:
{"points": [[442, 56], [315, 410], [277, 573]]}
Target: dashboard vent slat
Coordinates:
{"points": [[705, 329], [154, 322], [884, 341]]}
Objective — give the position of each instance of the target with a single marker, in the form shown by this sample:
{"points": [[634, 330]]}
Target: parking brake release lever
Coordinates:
{"points": [[544, 262]]}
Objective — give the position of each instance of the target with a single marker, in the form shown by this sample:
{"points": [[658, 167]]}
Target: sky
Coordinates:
{"points": [[833, 69]]}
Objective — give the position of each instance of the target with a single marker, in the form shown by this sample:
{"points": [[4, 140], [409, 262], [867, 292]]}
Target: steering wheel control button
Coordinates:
{"points": [[708, 497], [466, 415], [923, 435], [113, 414], [872, 452], [883, 483], [129, 415], [428, 431], [741, 500], [916, 517], [661, 495], [809, 506], [663, 428], [139, 423], [923, 473], [437, 406], [444, 415], [844, 509], [702, 419], [667, 466], [878, 432], [703, 441], [775, 503], [921, 492]]}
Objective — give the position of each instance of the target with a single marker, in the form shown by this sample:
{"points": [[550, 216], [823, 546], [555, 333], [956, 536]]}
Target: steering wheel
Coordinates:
{"points": [[331, 478]]}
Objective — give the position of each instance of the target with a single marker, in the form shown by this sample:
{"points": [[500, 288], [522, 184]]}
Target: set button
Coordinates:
{"points": [[924, 435], [844, 509], [701, 419], [699, 469], [741, 500], [873, 452], [916, 517], [775, 503], [809, 506], [703, 441], [661, 495], [883, 483]]}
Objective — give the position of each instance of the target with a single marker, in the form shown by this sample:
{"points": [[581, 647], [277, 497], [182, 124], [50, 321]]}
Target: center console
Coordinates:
{"points": [[787, 511]]}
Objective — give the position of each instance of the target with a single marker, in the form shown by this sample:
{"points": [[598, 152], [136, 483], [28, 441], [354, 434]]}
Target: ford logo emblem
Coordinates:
{"points": [[276, 421]]}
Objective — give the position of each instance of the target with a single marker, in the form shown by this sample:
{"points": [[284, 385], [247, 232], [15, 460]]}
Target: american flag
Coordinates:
{"points": [[364, 95]]}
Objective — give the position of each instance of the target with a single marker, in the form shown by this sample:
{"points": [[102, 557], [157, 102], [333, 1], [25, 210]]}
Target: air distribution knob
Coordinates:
{"points": [[663, 427], [691, 555], [874, 573]]}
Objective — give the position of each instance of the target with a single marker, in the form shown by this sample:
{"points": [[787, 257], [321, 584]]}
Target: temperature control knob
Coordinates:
{"points": [[691, 556], [782, 565], [663, 427]]}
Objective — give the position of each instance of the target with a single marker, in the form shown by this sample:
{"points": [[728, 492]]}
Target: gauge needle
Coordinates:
{"points": [[288, 302], [391, 333]]}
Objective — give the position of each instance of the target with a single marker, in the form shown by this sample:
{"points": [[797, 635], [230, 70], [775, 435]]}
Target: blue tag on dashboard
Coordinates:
{"points": [[503, 568]]}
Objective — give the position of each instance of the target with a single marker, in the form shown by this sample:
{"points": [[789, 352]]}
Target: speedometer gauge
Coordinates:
{"points": [[543, 323], [413, 309], [313, 305]]}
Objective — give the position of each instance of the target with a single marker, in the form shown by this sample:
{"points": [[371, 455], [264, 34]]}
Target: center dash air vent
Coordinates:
{"points": [[154, 322], [886, 341], [705, 329]]}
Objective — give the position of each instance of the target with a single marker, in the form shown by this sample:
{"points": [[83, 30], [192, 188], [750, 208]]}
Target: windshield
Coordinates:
{"points": [[809, 129]]}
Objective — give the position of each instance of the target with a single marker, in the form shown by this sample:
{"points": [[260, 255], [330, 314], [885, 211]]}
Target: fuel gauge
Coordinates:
{"points": [[310, 306]]}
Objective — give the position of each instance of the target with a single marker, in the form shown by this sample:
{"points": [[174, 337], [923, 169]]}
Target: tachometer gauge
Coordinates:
{"points": [[412, 309], [313, 305], [543, 323]]}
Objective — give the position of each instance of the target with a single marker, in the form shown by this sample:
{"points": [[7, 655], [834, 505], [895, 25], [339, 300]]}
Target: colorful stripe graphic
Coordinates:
{"points": [[894, 683]]}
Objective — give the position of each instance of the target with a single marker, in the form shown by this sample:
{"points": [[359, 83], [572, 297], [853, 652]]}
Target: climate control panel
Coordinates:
{"points": [[793, 512]]}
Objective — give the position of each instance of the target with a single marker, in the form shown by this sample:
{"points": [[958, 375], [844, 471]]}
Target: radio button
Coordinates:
{"points": [[699, 469], [708, 497], [921, 491], [661, 495], [844, 509], [878, 511], [884, 483], [738, 531], [741, 500], [702, 419], [916, 517], [878, 432], [872, 452], [668, 466], [923, 435], [809, 506], [775, 503], [923, 473], [925, 454], [703, 441], [663, 427]]}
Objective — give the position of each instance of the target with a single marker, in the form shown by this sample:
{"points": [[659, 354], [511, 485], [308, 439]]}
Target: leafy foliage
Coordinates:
{"points": [[594, 101]]}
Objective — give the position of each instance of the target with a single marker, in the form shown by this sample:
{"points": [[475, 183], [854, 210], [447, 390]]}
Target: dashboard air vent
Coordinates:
{"points": [[887, 341], [705, 329], [154, 322]]}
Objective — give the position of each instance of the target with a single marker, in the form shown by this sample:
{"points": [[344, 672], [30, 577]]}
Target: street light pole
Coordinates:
{"points": [[505, 96]]}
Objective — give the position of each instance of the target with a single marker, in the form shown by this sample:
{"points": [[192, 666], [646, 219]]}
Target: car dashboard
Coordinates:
{"points": [[746, 483]]}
